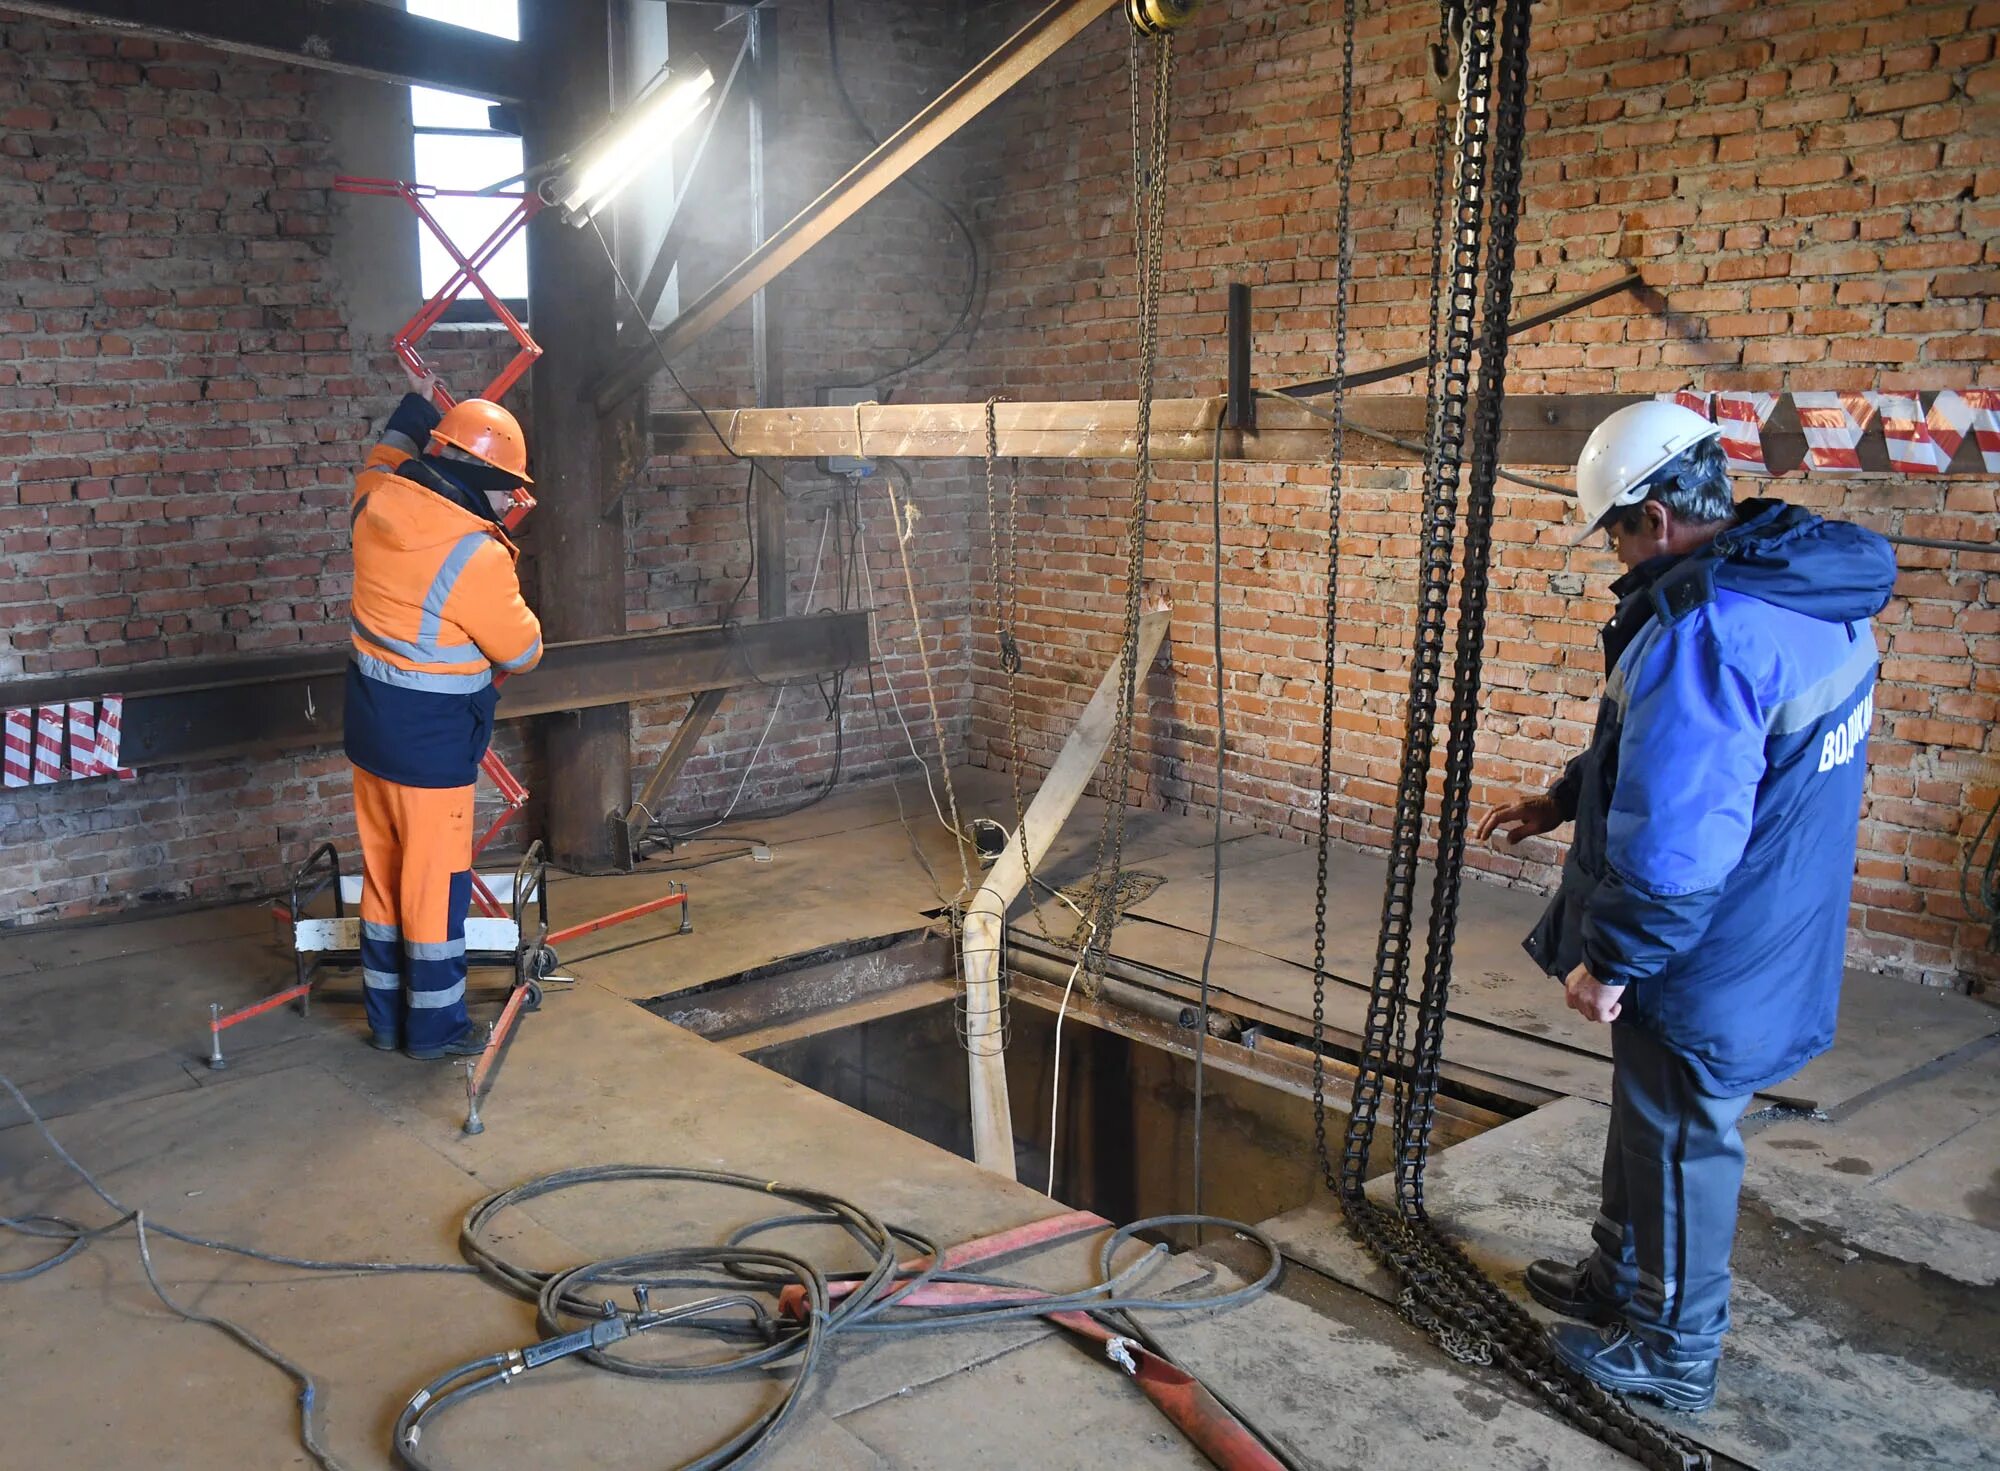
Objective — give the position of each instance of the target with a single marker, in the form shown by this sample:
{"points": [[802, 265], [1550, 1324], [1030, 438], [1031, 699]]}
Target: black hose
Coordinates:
{"points": [[610, 1298], [879, 1299], [972, 270]]}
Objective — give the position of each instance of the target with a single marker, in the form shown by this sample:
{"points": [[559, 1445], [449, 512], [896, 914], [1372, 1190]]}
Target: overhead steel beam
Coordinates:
{"points": [[675, 233], [1027, 49], [201, 710], [355, 37]]}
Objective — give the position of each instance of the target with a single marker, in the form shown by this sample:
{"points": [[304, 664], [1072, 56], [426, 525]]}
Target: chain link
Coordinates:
{"points": [[1336, 462], [1443, 1293], [1149, 217], [1006, 617]]}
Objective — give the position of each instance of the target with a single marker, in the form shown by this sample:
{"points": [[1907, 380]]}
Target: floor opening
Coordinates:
{"points": [[1126, 1125]]}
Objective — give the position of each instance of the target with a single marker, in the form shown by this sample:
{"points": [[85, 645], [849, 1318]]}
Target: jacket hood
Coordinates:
{"points": [[1784, 555], [411, 514]]}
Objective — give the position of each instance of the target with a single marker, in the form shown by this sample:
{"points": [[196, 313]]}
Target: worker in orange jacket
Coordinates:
{"points": [[436, 609]]}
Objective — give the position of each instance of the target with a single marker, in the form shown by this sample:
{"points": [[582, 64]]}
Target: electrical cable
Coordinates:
{"points": [[750, 533], [881, 1300], [877, 1300], [1981, 895], [667, 364], [1055, 1064], [777, 704], [972, 269], [79, 1237], [1215, 845], [904, 527]]}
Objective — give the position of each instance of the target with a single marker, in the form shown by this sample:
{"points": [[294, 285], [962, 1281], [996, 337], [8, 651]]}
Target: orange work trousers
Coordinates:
{"points": [[416, 883]]}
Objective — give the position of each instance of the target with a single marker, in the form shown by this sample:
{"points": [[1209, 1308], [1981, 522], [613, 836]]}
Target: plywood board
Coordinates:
{"points": [[1887, 1027], [1287, 988]]}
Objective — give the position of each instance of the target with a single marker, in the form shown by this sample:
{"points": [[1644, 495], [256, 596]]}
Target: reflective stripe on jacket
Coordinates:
{"points": [[436, 608]]}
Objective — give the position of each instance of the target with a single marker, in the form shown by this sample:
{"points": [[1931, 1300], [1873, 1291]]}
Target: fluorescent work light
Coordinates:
{"points": [[629, 145]]}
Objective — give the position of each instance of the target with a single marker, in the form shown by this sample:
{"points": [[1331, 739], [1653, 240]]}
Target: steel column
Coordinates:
{"points": [[580, 554]]}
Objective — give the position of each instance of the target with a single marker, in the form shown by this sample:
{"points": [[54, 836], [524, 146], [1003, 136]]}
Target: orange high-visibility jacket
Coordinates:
{"points": [[436, 608]]}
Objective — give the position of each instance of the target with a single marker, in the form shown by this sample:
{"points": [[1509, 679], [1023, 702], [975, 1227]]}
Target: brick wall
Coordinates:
{"points": [[883, 289], [183, 398], [1810, 191]]}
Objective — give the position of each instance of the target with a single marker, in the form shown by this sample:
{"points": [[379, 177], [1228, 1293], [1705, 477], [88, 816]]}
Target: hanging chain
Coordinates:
{"points": [[1006, 617], [1443, 1292], [1149, 216], [1336, 460]]}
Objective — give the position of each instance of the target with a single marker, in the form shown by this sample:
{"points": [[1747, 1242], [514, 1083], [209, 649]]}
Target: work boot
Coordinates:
{"points": [[468, 1043], [1569, 1290], [384, 1041], [1620, 1362]]}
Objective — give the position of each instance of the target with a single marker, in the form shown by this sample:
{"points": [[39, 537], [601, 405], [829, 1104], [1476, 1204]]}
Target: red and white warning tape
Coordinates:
{"points": [[32, 751], [1742, 417], [1689, 398], [1920, 441], [1985, 404], [1834, 424]]}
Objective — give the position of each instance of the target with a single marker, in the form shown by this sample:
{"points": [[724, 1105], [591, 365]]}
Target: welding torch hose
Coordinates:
{"points": [[877, 1301]]}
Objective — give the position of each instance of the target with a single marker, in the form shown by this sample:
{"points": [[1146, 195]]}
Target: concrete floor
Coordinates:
{"points": [[313, 1144]]}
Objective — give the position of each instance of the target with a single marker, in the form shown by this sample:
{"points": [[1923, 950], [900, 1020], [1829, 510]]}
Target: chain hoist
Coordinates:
{"points": [[1443, 1292], [1006, 564], [1006, 617], [1149, 218]]}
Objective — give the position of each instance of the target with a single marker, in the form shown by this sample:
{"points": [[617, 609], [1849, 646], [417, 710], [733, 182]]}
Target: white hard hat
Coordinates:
{"points": [[1627, 450]]}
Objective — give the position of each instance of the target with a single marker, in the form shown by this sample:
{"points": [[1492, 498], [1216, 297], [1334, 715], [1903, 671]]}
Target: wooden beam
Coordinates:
{"points": [[1018, 56], [354, 37], [1542, 430], [985, 918], [1535, 431]]}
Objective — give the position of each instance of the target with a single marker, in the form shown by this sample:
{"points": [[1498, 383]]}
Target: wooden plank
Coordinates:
{"points": [[384, 43], [1888, 1027], [1044, 35], [1268, 907], [1279, 993], [1535, 430]]}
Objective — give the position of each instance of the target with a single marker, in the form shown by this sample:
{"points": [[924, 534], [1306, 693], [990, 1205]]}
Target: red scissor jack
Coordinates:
{"points": [[513, 926]]}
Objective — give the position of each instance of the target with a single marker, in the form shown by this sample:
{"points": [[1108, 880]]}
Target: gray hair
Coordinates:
{"points": [[1694, 485]]}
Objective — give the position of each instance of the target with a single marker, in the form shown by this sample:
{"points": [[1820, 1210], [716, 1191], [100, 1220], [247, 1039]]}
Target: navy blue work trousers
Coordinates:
{"points": [[1673, 1167]]}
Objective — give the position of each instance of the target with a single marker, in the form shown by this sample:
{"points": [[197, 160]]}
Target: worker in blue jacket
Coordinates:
{"points": [[1703, 906]]}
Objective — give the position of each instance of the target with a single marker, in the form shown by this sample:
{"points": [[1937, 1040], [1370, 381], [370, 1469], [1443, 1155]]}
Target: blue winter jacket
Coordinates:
{"points": [[1716, 807]]}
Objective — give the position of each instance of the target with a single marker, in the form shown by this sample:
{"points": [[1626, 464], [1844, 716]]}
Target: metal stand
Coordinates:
{"points": [[518, 937]]}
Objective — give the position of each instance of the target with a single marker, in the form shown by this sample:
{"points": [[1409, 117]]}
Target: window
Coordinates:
{"points": [[456, 148]]}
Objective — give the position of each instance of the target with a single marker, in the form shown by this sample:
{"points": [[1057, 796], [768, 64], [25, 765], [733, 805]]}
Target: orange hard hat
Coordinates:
{"points": [[487, 432]]}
